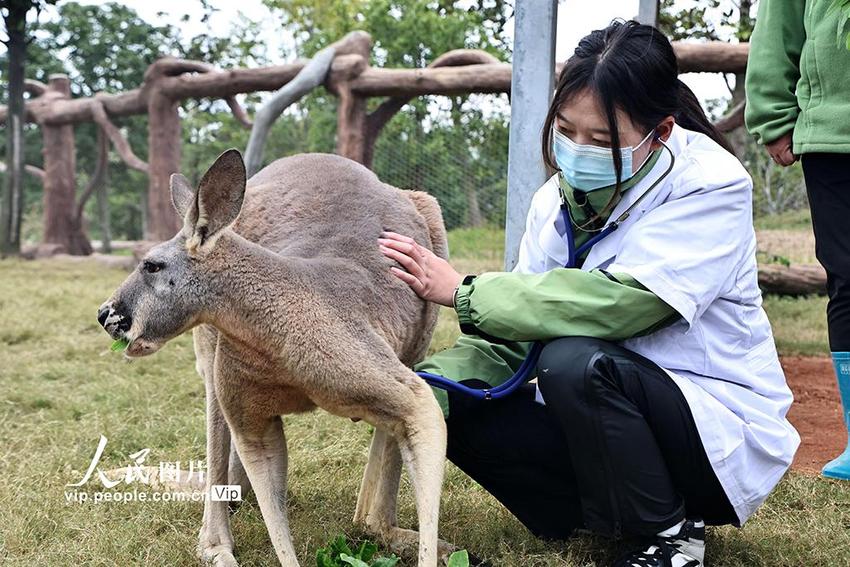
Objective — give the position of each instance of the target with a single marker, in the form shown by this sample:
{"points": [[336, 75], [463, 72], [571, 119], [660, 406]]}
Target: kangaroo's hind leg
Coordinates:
{"points": [[397, 400], [376, 502], [374, 508], [422, 444]]}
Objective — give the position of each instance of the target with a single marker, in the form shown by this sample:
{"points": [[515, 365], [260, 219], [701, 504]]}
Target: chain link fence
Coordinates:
{"points": [[457, 153]]}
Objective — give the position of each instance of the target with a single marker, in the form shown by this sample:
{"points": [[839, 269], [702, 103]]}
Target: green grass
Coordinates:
{"points": [[800, 219], [799, 324], [62, 388], [477, 243], [122, 252]]}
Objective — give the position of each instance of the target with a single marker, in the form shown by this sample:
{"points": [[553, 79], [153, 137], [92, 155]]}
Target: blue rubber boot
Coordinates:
{"points": [[840, 467]]}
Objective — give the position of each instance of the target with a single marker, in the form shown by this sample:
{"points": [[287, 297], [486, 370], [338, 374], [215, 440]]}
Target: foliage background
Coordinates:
{"points": [[453, 147]]}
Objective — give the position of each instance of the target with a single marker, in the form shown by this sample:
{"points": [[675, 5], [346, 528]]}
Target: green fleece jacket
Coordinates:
{"points": [[798, 76]]}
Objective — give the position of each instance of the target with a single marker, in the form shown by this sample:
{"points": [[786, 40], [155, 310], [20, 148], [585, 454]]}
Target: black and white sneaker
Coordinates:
{"points": [[683, 549]]}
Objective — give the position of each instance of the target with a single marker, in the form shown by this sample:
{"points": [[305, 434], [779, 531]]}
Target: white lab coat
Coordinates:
{"points": [[691, 242]]}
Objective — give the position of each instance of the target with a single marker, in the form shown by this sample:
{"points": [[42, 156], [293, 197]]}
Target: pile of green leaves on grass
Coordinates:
{"points": [[338, 554]]}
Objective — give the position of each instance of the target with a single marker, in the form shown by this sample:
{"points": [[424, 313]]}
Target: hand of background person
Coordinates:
{"points": [[780, 150], [431, 277]]}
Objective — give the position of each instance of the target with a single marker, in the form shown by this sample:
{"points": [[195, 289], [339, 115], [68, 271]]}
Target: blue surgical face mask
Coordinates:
{"points": [[586, 167]]}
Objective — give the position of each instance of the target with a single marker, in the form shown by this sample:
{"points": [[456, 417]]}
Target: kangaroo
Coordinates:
{"points": [[293, 307]]}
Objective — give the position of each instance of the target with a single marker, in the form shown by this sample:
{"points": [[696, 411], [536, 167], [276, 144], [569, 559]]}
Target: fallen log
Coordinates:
{"points": [[798, 279]]}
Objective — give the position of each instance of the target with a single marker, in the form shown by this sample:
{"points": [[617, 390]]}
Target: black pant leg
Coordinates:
{"points": [[827, 178], [515, 449], [638, 459]]}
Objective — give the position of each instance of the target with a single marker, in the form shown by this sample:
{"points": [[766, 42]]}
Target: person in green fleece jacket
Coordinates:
{"points": [[798, 106], [660, 404]]}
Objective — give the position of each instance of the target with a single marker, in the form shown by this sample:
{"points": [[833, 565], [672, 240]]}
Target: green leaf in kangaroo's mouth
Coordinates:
{"points": [[119, 344]]}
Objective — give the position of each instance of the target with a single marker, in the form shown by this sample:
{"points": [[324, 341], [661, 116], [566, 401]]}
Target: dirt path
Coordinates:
{"points": [[816, 412]]}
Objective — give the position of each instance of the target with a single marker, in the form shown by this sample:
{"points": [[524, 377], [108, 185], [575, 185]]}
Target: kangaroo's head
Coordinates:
{"points": [[172, 286]]}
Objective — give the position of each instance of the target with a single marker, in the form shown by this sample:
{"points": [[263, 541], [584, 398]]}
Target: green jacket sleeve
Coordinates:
{"points": [[474, 357], [560, 302], [556, 303], [773, 69], [498, 334]]}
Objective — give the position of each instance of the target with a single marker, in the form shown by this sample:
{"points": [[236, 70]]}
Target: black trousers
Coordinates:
{"points": [[614, 450], [828, 187]]}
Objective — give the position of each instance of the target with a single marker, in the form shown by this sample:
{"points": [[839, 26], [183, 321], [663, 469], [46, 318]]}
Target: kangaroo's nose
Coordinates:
{"points": [[112, 318], [102, 314]]}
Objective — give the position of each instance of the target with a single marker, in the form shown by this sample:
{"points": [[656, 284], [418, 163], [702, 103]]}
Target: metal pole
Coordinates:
{"points": [[532, 83], [648, 12]]}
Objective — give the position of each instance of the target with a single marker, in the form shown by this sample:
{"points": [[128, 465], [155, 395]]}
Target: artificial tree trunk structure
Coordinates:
{"points": [[164, 136], [62, 225], [792, 280], [56, 113], [168, 81], [314, 73]]}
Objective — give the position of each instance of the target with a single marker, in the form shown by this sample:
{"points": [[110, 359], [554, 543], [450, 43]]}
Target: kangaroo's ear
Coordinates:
{"points": [[218, 199], [182, 194]]}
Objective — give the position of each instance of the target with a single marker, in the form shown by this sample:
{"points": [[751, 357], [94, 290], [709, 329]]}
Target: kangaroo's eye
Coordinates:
{"points": [[152, 267]]}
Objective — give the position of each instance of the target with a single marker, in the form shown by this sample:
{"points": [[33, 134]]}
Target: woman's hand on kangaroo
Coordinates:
{"points": [[431, 277]]}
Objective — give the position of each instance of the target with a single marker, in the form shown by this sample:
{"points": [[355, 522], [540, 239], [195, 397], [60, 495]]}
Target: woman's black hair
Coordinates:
{"points": [[630, 66]]}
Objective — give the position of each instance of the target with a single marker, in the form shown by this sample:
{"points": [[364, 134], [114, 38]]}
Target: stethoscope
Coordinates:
{"points": [[523, 374]]}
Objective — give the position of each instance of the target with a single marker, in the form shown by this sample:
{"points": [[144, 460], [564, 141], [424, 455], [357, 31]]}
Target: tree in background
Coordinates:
{"points": [[11, 205], [453, 147], [107, 48]]}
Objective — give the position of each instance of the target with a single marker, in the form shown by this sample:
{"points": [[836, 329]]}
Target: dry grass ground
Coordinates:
{"points": [[796, 246], [61, 389]]}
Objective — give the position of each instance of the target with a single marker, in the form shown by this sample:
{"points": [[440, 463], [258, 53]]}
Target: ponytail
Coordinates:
{"points": [[691, 116]]}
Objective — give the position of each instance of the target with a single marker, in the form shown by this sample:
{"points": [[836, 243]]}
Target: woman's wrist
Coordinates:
{"points": [[467, 278]]}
